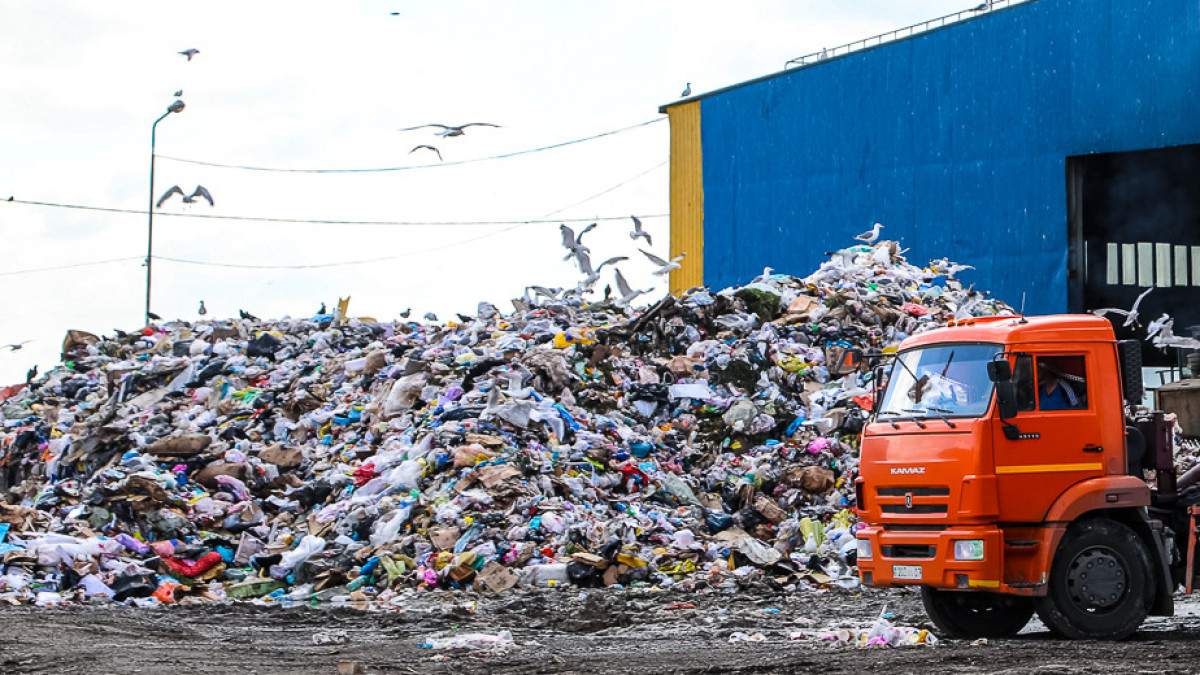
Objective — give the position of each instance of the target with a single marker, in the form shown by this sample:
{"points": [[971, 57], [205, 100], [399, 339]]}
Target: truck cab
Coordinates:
{"points": [[1002, 475]]}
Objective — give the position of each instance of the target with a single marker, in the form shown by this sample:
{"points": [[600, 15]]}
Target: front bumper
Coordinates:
{"points": [[906, 557]]}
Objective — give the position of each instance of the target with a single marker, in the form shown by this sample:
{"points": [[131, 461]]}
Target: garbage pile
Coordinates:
{"points": [[707, 441]]}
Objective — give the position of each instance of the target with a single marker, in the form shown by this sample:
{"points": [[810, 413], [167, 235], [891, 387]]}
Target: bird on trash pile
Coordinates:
{"points": [[639, 232], [1131, 316], [247, 315], [664, 267], [203, 310], [945, 267], [572, 242], [189, 53], [448, 131], [427, 147], [17, 345], [30, 374], [870, 235]]}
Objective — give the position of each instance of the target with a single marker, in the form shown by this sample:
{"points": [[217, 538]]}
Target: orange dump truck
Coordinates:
{"points": [[1004, 473]]}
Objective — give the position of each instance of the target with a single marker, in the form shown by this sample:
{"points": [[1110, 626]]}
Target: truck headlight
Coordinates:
{"points": [[968, 549], [864, 549]]}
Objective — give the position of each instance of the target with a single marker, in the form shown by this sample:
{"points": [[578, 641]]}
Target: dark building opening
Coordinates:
{"points": [[1134, 223]]}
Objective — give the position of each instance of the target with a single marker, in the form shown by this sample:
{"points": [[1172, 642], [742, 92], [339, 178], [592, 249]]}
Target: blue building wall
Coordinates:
{"points": [[955, 140]]}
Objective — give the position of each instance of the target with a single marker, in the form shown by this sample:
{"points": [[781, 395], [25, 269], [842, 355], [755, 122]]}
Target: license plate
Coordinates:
{"points": [[907, 572]]}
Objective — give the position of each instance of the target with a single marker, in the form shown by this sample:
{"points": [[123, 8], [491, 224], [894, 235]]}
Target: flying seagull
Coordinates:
{"points": [[203, 310], [448, 131], [639, 232], [1131, 316], [627, 293], [427, 147], [200, 191], [1166, 337], [175, 190], [178, 93], [949, 269], [154, 316], [189, 53], [572, 242], [430, 316], [687, 91], [870, 235], [664, 266], [591, 276], [16, 346]]}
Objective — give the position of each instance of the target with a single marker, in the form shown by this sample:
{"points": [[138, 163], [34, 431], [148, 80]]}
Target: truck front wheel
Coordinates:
{"points": [[968, 615], [1101, 583]]}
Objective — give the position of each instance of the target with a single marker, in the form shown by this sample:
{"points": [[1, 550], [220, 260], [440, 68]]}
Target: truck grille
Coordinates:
{"points": [[914, 500], [908, 551]]}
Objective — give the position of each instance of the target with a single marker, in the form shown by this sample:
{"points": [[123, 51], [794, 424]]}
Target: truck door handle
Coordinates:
{"points": [[1093, 448]]}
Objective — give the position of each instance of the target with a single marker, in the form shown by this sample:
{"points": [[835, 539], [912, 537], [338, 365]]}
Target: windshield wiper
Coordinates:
{"points": [[890, 420], [914, 417], [943, 417]]}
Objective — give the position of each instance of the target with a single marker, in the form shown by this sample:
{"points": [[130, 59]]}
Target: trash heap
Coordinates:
{"points": [[703, 442]]}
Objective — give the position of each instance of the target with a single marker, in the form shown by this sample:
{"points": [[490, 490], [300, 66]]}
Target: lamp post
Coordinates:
{"points": [[175, 107]]}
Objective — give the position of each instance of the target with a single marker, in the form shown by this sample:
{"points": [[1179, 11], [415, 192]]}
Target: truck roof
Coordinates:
{"points": [[1015, 330]]}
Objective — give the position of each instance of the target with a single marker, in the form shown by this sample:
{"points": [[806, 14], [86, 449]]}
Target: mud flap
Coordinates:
{"points": [[1153, 530]]}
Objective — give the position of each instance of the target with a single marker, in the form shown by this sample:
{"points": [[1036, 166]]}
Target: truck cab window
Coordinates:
{"points": [[1061, 383], [1024, 382]]}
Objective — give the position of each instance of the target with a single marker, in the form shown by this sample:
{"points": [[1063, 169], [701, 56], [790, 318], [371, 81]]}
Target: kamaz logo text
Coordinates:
{"points": [[901, 470]]}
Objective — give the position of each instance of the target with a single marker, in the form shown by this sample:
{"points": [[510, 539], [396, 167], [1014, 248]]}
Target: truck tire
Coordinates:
{"points": [[969, 615], [1101, 583]]}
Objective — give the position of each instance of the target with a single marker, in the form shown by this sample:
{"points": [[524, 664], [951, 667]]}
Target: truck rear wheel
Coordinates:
{"points": [[969, 615], [1101, 583]]}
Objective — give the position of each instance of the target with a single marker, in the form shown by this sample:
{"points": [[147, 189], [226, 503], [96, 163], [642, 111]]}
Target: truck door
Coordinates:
{"points": [[1057, 440]]}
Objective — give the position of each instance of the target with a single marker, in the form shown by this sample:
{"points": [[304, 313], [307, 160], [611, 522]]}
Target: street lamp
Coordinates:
{"points": [[175, 107]]}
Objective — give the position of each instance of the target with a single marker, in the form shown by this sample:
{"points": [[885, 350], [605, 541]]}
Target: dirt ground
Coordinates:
{"points": [[555, 631]]}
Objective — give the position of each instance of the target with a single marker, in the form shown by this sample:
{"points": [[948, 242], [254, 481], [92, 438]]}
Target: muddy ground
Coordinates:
{"points": [[554, 631]]}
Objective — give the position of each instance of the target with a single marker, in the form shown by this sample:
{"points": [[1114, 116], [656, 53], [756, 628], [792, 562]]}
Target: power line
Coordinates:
{"points": [[71, 265], [419, 166], [398, 223]]}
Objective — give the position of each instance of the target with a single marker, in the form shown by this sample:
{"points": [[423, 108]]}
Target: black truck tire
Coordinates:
{"points": [[1101, 583], [971, 614]]}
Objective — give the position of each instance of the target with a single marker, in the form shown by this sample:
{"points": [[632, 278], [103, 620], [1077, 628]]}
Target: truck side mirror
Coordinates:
{"points": [[1006, 396], [1000, 370], [843, 361], [877, 385]]}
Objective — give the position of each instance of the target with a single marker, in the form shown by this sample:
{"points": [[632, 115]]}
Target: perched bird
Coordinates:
{"points": [[427, 147], [203, 310], [870, 235], [541, 291], [30, 374], [200, 191], [664, 267], [627, 293], [18, 345], [949, 269], [322, 310], [430, 316], [448, 131], [189, 53], [766, 274], [639, 232], [154, 316], [175, 190], [985, 6], [1131, 316], [572, 242], [247, 315], [687, 91], [178, 93]]}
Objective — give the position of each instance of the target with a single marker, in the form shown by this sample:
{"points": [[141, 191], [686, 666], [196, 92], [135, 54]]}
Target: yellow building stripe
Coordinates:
{"points": [[687, 196], [1049, 468], [983, 583]]}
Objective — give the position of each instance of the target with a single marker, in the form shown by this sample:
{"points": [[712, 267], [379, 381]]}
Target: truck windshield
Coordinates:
{"points": [[947, 380]]}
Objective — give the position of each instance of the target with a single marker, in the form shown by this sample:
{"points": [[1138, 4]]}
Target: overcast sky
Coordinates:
{"points": [[317, 86]]}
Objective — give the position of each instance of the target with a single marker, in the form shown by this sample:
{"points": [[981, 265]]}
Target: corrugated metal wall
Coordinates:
{"points": [[687, 197], [955, 140]]}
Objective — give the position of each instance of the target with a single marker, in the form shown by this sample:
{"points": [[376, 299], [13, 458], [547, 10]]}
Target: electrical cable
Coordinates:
{"points": [[71, 265], [418, 166]]}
